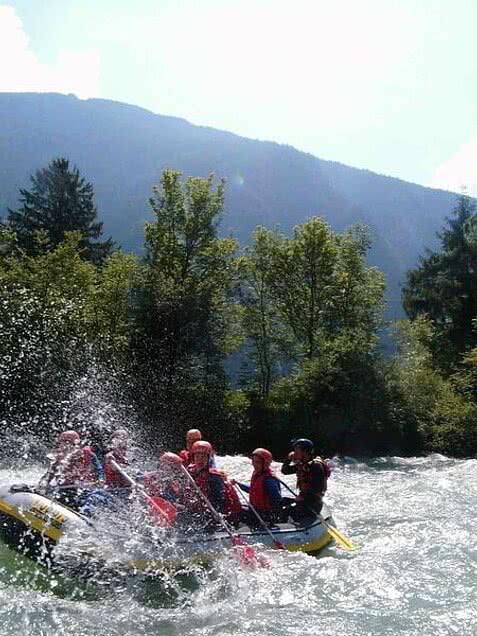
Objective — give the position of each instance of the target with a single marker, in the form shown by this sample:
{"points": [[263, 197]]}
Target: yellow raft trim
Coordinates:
{"points": [[29, 519]]}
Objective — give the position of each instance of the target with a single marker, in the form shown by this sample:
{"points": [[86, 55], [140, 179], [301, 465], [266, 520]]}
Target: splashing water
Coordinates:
{"points": [[414, 573]]}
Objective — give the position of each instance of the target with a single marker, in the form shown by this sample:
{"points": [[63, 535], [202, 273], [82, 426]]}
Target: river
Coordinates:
{"points": [[415, 571]]}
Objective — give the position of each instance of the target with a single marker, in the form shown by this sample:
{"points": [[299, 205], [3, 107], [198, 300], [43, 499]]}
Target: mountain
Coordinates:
{"points": [[122, 149]]}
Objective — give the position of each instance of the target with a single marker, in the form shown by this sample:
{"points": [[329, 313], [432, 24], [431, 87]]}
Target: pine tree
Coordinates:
{"points": [[59, 201], [444, 286]]}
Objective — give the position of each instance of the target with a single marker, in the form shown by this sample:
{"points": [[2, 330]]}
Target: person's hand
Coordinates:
{"points": [[233, 482], [291, 456]]}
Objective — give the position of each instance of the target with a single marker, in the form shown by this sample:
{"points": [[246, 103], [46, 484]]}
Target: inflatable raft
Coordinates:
{"points": [[47, 531]]}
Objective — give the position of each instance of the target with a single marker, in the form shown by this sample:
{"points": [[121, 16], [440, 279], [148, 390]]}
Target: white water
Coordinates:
{"points": [[415, 572]]}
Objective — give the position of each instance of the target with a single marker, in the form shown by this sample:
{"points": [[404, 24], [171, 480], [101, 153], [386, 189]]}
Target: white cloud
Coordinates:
{"points": [[73, 71], [459, 172]]}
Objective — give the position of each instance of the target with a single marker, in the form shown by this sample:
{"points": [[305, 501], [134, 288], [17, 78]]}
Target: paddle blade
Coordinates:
{"points": [[340, 538], [163, 512], [247, 555]]}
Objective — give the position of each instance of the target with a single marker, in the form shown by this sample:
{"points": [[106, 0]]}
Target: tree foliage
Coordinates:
{"points": [[444, 286], [59, 201]]}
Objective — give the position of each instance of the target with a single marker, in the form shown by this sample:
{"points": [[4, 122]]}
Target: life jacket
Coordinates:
{"points": [[157, 484], [258, 495], [232, 505], [87, 473], [304, 478], [77, 466], [111, 477], [201, 478]]}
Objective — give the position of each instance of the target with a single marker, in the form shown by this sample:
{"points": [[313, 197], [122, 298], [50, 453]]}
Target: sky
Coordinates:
{"points": [[387, 85]]}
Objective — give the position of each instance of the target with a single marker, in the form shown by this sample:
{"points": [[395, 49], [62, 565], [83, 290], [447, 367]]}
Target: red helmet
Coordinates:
{"points": [[170, 458], [264, 454], [69, 436], [201, 447]]}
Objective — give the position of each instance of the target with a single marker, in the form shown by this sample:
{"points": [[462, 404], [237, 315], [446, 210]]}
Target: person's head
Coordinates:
{"points": [[200, 452], [119, 440], [261, 459], [192, 436], [303, 449], [67, 440]]}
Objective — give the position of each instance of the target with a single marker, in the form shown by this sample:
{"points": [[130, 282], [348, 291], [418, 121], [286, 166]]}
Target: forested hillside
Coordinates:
{"points": [[123, 149]]}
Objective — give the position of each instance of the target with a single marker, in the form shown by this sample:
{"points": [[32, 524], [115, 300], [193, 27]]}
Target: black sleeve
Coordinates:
{"points": [[288, 468]]}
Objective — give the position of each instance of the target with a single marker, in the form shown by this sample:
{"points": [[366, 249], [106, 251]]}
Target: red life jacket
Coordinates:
{"points": [[304, 475], [231, 501], [74, 467], [258, 495], [112, 478], [86, 470], [232, 505], [157, 484]]}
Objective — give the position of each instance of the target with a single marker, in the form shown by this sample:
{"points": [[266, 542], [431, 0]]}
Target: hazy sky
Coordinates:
{"points": [[388, 85]]}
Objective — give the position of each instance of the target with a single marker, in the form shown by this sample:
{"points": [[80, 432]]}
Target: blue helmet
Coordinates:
{"points": [[304, 444]]}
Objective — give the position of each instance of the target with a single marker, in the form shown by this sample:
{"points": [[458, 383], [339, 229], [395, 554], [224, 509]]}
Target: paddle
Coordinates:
{"points": [[340, 538], [246, 553], [164, 511], [276, 543]]}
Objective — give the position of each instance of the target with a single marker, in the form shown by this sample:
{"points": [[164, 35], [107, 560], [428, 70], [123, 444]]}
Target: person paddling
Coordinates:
{"points": [[311, 479], [211, 484], [72, 469], [264, 490], [166, 481], [118, 452]]}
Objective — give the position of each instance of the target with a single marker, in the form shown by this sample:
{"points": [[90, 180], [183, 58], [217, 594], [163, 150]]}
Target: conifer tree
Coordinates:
{"points": [[444, 286], [59, 201]]}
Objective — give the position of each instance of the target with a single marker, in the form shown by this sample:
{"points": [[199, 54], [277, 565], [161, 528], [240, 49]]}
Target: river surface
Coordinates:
{"points": [[415, 572]]}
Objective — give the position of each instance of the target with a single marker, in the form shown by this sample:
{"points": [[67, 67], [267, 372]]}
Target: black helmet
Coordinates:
{"points": [[306, 445]]}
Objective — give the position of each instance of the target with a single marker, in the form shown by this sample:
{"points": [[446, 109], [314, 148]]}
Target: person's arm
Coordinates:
{"points": [[244, 487], [216, 492], [288, 468], [272, 486]]}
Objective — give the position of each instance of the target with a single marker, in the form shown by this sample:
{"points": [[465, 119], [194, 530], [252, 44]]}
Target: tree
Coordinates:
{"points": [[44, 322], [183, 305], [444, 286], [262, 324], [59, 201], [323, 290], [183, 309]]}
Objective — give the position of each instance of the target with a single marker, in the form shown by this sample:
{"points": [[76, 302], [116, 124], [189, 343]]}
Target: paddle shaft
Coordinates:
{"points": [[138, 488], [279, 545], [205, 499]]}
